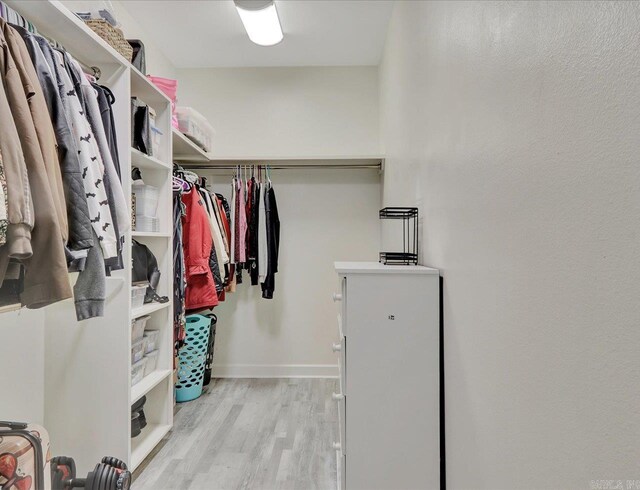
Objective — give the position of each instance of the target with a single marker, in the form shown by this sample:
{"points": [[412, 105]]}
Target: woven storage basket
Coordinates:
{"points": [[112, 35]]}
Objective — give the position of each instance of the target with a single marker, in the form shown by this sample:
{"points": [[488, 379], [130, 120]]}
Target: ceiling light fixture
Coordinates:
{"points": [[260, 20]]}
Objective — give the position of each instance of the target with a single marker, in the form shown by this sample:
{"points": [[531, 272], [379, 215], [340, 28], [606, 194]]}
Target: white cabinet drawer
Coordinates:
{"points": [[341, 300], [341, 467], [341, 400], [340, 348]]}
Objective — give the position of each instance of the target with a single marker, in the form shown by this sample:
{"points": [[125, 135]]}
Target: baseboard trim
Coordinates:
{"points": [[275, 371]]}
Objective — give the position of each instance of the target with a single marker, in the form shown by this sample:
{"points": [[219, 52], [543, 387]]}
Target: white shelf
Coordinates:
{"points": [[146, 91], [78, 364], [143, 161], [185, 150], [148, 383], [143, 444], [297, 161], [148, 309], [56, 21], [334, 159], [150, 234]]}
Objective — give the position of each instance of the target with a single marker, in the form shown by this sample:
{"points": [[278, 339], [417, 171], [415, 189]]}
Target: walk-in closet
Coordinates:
{"points": [[319, 244]]}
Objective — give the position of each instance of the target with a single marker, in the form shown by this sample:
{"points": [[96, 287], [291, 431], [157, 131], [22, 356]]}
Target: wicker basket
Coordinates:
{"points": [[112, 35]]}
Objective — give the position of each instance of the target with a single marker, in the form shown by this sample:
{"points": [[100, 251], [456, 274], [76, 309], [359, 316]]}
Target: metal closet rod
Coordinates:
{"points": [[285, 166]]}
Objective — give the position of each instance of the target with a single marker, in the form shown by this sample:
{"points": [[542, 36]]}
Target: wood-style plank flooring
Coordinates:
{"points": [[259, 434]]}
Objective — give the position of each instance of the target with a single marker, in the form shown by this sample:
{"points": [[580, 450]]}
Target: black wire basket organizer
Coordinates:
{"points": [[409, 254]]}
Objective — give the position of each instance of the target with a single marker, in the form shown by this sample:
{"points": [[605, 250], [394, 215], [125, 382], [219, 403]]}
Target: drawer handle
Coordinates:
{"points": [[337, 396], [336, 347], [337, 297], [337, 446]]}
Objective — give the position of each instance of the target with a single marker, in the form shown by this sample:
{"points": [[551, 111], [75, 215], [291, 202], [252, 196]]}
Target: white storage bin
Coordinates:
{"points": [[196, 127], [137, 328], [137, 371], [152, 362], [147, 224], [137, 350], [146, 199], [156, 139], [137, 295], [152, 339]]}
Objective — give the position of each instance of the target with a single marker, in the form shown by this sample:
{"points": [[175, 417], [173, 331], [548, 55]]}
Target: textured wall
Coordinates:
{"points": [[515, 127], [302, 111], [326, 216], [22, 366]]}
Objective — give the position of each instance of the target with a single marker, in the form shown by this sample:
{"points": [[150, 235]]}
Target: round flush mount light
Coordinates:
{"points": [[260, 20]]}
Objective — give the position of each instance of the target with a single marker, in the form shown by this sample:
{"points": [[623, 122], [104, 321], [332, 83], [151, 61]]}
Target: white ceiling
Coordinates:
{"points": [[208, 33]]}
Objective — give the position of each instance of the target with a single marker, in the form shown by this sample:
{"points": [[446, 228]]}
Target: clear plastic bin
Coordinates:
{"points": [[152, 338], [146, 199], [147, 224], [196, 127], [152, 362], [137, 350], [137, 295], [156, 139], [137, 371], [137, 328]]}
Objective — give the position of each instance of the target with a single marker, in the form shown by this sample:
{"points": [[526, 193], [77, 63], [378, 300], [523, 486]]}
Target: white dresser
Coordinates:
{"points": [[389, 432]]}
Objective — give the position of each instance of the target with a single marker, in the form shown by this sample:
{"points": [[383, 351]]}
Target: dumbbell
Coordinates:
{"points": [[115, 462], [111, 474], [105, 477], [63, 469]]}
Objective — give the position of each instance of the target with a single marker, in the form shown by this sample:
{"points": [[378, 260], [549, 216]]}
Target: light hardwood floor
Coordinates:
{"points": [[259, 434]]}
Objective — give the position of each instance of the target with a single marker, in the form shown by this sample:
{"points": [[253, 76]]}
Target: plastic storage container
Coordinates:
{"points": [[156, 139], [146, 199], [137, 351], [137, 295], [196, 127], [137, 328], [152, 339], [147, 223], [152, 362], [137, 371]]}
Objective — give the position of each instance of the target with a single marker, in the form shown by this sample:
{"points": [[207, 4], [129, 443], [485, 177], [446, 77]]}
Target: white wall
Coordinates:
{"points": [[515, 126], [22, 366], [325, 215], [307, 111]]}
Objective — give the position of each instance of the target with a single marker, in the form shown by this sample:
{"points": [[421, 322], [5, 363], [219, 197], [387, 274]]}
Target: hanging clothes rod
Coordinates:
{"points": [[286, 166]]}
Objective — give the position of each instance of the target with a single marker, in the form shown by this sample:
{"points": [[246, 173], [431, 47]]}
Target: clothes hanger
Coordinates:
{"points": [[190, 176], [180, 184]]}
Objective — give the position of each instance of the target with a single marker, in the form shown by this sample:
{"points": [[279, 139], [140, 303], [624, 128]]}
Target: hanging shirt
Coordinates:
{"points": [[80, 234], [46, 280], [252, 247], [21, 214], [218, 242], [4, 205], [273, 242], [262, 235], [115, 194], [92, 168], [241, 245], [232, 222], [45, 135], [197, 242]]}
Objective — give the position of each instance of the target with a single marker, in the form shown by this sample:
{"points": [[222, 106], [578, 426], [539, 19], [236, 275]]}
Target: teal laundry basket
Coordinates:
{"points": [[193, 358]]}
